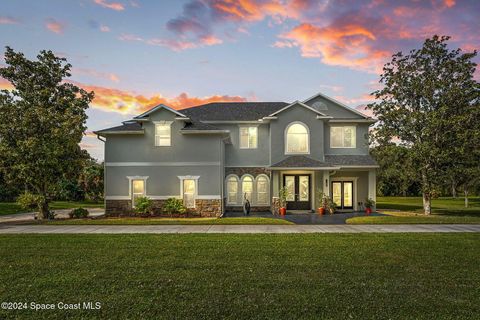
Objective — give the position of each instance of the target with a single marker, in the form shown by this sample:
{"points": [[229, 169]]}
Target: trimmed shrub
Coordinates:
{"points": [[30, 201], [174, 206], [143, 205], [78, 213]]}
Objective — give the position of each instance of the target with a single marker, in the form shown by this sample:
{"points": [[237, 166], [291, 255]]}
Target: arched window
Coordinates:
{"points": [[232, 190], [263, 189], [247, 188], [297, 138]]}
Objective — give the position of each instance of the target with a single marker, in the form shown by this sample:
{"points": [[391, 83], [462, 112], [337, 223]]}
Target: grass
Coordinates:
{"points": [[341, 276], [12, 207], [154, 221], [444, 210]]}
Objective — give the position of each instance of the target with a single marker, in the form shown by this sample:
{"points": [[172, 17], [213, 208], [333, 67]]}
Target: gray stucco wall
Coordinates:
{"points": [[361, 143], [362, 183], [333, 109], [234, 156], [302, 114]]}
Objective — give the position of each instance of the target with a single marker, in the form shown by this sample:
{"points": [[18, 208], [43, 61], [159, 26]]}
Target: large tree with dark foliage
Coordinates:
{"points": [[430, 102], [42, 121]]}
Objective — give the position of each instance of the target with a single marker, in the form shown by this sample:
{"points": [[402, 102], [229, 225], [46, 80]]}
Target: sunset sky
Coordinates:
{"points": [[138, 53]]}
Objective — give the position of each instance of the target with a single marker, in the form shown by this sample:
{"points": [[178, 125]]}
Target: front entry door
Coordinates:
{"points": [[298, 186], [342, 194]]}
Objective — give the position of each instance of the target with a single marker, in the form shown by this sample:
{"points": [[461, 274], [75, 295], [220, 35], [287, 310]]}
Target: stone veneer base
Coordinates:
{"points": [[203, 208]]}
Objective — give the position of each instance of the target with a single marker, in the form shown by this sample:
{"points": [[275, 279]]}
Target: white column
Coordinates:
{"points": [[326, 183], [372, 184]]}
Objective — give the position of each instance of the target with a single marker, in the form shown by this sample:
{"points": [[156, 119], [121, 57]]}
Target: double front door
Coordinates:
{"points": [[298, 187], [342, 194]]}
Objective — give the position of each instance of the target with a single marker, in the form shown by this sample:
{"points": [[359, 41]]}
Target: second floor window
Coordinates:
{"points": [[343, 137], [248, 137], [297, 138], [163, 134]]}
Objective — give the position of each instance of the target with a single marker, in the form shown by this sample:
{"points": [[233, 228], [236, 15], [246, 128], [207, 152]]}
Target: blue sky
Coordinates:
{"points": [[135, 53]]}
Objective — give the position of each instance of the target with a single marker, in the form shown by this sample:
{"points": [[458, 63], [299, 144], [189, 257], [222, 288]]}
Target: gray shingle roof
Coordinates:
{"points": [[233, 111], [330, 161], [125, 127], [197, 125]]}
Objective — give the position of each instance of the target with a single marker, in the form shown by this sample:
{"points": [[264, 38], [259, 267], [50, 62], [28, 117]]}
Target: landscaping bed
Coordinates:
{"points": [[399, 217], [167, 221], [342, 276]]}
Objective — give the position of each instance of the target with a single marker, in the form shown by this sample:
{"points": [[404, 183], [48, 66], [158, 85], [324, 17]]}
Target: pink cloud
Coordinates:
{"points": [[117, 6], [55, 26], [104, 28], [8, 20], [95, 74]]}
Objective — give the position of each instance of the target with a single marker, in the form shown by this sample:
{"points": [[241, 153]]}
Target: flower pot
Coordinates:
{"points": [[368, 210], [283, 211], [321, 211]]}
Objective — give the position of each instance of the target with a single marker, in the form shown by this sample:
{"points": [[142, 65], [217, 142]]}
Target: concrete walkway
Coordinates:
{"points": [[9, 229]]}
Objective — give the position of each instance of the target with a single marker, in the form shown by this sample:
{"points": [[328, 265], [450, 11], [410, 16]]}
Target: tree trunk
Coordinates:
{"points": [[427, 203], [454, 189], [44, 211], [465, 192]]}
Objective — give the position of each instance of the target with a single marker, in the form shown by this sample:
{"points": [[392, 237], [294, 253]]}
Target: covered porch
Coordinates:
{"points": [[306, 179]]}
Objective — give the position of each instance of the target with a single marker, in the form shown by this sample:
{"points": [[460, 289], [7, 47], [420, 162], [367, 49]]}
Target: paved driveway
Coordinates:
{"points": [[61, 213], [306, 218], [13, 229]]}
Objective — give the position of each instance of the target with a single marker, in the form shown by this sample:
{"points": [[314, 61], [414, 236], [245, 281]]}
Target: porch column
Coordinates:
{"points": [[372, 185], [326, 183], [275, 183]]}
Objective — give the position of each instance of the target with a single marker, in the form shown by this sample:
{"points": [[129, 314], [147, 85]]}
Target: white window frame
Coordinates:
{"points": [[228, 188], [248, 139], [257, 202], [195, 195], [163, 123], [354, 138], [252, 197], [130, 186], [285, 137]]}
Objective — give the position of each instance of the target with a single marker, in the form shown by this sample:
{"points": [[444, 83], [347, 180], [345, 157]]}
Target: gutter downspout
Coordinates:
{"points": [[104, 184]]}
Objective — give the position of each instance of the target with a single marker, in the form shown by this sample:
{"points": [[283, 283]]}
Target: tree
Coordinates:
{"points": [[428, 101], [91, 180], [42, 121]]}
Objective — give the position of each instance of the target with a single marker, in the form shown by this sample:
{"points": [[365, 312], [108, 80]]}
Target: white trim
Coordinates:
{"points": [[285, 138], [163, 197], [299, 103], [182, 118], [203, 131], [160, 164], [249, 166], [242, 194], [117, 198], [354, 138], [268, 190], [195, 195], [336, 102], [209, 197], [352, 121], [162, 123], [130, 181], [240, 136], [118, 132], [228, 190], [304, 168], [160, 106], [360, 167], [233, 121]]}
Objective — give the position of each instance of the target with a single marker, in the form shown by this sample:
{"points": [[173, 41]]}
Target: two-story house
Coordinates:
{"points": [[215, 155]]}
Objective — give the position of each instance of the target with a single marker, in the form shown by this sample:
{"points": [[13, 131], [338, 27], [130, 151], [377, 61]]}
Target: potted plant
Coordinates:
{"points": [[331, 206], [369, 204], [282, 195], [323, 200]]}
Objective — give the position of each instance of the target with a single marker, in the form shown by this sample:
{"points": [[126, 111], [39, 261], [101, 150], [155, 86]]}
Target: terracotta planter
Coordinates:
{"points": [[368, 210], [283, 211], [321, 211]]}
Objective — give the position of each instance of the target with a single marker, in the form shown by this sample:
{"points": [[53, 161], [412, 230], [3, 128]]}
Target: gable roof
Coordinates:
{"points": [[301, 104], [336, 102], [125, 128], [233, 111], [160, 106]]}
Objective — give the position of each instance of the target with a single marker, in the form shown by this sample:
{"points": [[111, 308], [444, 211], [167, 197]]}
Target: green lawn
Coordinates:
{"points": [[150, 221], [12, 207], [341, 276], [444, 210]]}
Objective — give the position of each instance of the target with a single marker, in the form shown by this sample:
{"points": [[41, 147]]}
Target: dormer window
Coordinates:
{"points": [[248, 137], [163, 133], [297, 140]]}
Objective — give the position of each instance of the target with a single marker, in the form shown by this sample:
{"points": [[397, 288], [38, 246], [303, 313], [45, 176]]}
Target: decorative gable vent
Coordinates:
{"points": [[319, 105]]}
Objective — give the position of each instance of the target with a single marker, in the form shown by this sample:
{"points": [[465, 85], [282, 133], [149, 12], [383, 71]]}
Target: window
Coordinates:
{"points": [[247, 188], [262, 190], [138, 190], [189, 191], [163, 134], [232, 190], [343, 137], [297, 138], [248, 137]]}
